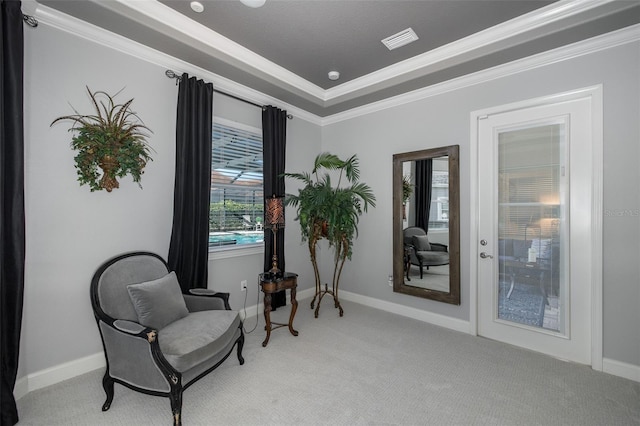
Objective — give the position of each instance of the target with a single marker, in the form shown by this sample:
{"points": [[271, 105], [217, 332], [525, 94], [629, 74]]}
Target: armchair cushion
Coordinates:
{"points": [[421, 243], [197, 337], [159, 302]]}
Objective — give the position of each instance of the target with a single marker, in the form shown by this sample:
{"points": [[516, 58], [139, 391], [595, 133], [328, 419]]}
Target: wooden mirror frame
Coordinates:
{"points": [[399, 285]]}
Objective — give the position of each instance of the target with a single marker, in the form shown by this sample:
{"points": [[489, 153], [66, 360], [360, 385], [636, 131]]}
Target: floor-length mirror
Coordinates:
{"points": [[426, 236]]}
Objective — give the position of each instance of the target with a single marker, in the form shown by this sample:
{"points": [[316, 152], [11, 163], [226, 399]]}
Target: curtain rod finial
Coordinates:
{"points": [[172, 74], [30, 20]]}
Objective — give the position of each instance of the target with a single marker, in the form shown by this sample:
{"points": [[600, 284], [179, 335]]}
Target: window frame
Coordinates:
{"points": [[228, 251]]}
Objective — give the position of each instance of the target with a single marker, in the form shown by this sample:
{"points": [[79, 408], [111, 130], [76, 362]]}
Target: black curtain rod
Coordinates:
{"points": [[171, 74]]}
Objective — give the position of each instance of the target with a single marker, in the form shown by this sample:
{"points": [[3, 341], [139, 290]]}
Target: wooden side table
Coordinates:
{"points": [[270, 285]]}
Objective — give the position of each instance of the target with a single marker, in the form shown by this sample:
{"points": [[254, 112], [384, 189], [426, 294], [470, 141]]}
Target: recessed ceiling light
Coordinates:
{"points": [[400, 39], [334, 75], [253, 3], [197, 7]]}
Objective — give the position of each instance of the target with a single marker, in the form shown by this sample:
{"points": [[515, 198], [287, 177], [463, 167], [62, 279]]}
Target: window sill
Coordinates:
{"points": [[229, 252]]}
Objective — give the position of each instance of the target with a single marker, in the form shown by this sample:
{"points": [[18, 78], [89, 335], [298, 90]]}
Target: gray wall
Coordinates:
{"points": [[70, 230], [445, 120]]}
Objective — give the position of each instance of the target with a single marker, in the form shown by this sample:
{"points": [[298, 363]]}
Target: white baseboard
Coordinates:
{"points": [[58, 373], [21, 388], [252, 311], [621, 369], [71, 369], [406, 311]]}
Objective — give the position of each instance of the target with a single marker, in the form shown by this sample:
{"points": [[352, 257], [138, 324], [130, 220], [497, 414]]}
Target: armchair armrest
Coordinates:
{"points": [[129, 327], [134, 329], [439, 247], [202, 299]]}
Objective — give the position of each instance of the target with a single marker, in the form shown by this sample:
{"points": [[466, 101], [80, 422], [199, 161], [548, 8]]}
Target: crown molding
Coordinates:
{"points": [[95, 34], [114, 41], [531, 21], [157, 15], [162, 18], [581, 48]]}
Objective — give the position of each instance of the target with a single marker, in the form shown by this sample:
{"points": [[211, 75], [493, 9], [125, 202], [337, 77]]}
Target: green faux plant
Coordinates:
{"points": [[328, 211], [331, 212], [112, 139]]}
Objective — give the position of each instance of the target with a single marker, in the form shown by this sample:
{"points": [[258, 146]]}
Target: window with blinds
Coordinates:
{"points": [[237, 193], [529, 181], [439, 211]]}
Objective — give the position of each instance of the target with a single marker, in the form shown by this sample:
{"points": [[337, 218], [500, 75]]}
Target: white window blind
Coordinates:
{"points": [[529, 182], [237, 193]]}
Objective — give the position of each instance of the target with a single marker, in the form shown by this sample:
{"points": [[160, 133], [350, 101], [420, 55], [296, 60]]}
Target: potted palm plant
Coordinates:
{"points": [[330, 211], [112, 139]]}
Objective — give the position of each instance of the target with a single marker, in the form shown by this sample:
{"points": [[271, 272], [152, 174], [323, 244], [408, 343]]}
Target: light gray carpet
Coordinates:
{"points": [[434, 278], [366, 368]]}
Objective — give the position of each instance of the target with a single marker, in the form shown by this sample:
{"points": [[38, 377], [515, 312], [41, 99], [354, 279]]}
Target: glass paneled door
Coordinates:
{"points": [[534, 206], [531, 207]]}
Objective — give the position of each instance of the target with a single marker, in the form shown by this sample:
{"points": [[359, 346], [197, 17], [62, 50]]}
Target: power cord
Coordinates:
{"points": [[244, 309]]}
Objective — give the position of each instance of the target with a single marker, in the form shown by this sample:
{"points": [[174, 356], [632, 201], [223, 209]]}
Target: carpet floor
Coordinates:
{"points": [[367, 368]]}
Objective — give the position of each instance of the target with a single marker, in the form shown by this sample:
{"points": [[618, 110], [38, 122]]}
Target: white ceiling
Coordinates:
{"points": [[285, 48]]}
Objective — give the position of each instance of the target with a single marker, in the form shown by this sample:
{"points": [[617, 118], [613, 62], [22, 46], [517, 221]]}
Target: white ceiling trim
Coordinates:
{"points": [[616, 38], [157, 15], [95, 34], [114, 41], [530, 21]]}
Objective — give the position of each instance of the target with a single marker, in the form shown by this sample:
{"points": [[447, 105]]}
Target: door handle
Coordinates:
{"points": [[486, 256]]}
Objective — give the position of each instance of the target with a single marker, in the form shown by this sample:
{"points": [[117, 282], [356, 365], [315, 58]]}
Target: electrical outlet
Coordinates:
{"points": [[243, 285], [390, 280]]}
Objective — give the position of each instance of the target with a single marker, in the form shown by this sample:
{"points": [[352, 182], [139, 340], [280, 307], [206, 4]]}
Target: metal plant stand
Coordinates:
{"points": [[342, 249]]}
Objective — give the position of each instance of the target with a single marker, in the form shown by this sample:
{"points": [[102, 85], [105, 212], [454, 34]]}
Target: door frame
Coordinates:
{"points": [[594, 93]]}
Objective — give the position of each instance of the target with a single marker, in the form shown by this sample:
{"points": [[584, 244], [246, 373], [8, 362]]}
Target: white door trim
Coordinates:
{"points": [[595, 93]]}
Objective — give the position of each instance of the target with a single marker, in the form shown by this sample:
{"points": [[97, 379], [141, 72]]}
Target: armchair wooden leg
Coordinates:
{"points": [[107, 384], [240, 346], [175, 396]]}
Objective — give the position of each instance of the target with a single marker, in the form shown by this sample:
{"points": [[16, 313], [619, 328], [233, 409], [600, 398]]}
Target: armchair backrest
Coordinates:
{"points": [[409, 232], [109, 284]]}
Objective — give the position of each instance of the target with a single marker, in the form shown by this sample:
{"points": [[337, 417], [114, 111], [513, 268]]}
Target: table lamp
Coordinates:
{"points": [[274, 219]]}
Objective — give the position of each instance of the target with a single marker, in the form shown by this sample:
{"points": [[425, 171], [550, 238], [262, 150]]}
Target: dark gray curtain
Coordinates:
{"points": [[12, 233], [189, 247], [274, 138], [424, 171]]}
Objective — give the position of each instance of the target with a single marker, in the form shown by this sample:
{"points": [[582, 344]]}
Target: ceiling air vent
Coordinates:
{"points": [[397, 40]]}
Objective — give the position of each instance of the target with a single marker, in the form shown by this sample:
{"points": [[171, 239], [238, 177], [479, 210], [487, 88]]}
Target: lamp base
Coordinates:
{"points": [[275, 271]]}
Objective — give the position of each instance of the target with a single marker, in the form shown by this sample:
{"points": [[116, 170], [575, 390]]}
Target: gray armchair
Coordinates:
{"points": [[422, 252], [157, 340]]}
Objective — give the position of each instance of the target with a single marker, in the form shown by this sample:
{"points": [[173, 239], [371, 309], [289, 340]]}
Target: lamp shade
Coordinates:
{"points": [[274, 212]]}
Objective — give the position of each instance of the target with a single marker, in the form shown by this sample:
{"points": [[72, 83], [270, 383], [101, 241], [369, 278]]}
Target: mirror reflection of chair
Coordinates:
{"points": [[424, 253]]}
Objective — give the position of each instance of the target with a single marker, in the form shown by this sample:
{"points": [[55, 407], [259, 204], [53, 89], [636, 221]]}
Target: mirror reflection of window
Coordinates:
{"points": [[439, 212]]}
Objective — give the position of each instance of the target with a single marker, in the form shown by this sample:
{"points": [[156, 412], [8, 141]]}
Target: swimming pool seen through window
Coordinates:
{"points": [[236, 211]]}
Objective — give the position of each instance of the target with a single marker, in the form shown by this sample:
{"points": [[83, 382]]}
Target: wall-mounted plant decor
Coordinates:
{"points": [[112, 139]]}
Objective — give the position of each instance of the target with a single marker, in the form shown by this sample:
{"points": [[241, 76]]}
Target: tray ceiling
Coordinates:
{"points": [[286, 48]]}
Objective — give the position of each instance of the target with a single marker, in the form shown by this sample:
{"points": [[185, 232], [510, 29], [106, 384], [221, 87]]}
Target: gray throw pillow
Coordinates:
{"points": [[421, 243], [158, 303]]}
